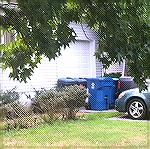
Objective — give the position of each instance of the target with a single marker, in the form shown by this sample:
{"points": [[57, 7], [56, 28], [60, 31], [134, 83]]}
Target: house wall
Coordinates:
{"points": [[76, 61], [115, 68], [86, 33], [99, 69], [83, 32]]}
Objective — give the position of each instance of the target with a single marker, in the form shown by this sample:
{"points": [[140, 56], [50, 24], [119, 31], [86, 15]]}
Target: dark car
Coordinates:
{"points": [[135, 103]]}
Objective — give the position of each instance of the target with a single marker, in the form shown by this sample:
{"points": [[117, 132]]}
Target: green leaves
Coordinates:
{"points": [[123, 34], [123, 28], [18, 57], [41, 31]]}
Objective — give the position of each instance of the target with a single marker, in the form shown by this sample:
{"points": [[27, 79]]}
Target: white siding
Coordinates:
{"points": [[83, 32], [114, 68], [76, 61], [99, 67]]}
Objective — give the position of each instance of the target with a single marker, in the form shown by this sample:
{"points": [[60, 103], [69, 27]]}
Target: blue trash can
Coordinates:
{"points": [[62, 82], [101, 92]]}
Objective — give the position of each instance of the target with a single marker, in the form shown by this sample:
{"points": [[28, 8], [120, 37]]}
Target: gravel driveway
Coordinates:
{"points": [[122, 117], [126, 118]]}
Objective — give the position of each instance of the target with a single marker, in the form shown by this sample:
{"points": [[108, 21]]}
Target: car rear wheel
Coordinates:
{"points": [[136, 109]]}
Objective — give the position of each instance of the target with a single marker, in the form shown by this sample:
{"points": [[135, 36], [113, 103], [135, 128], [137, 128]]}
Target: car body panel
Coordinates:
{"points": [[121, 103]]}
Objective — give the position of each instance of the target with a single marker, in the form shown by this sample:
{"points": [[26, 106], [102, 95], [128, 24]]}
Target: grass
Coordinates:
{"points": [[90, 131]]}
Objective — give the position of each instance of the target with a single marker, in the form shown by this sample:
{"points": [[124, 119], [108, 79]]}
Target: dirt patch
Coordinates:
{"points": [[13, 142], [137, 141], [81, 113]]}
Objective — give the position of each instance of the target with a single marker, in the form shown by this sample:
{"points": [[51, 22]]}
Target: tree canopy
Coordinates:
{"points": [[41, 27]]}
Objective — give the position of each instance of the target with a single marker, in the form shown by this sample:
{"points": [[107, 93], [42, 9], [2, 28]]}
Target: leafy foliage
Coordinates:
{"points": [[123, 29], [113, 75], [39, 32], [9, 96], [124, 33]]}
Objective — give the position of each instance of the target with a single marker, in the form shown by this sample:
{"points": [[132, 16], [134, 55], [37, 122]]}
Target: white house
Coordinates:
{"points": [[78, 60]]}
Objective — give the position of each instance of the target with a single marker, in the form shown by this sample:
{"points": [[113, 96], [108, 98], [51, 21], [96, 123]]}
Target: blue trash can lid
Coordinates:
{"points": [[79, 79], [92, 79], [100, 79], [105, 79]]}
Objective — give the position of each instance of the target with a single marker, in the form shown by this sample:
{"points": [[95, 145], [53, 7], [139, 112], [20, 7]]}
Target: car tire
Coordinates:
{"points": [[137, 109]]}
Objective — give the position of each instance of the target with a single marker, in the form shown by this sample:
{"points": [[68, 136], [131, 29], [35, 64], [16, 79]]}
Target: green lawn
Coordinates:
{"points": [[92, 131]]}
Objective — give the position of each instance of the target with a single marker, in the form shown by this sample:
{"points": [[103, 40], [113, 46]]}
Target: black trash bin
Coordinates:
{"points": [[62, 82], [81, 81], [126, 83]]}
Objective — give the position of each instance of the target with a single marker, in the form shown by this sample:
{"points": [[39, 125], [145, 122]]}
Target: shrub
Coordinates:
{"points": [[113, 75], [13, 110], [20, 123], [15, 116], [48, 106], [62, 103], [46, 100], [8, 96]]}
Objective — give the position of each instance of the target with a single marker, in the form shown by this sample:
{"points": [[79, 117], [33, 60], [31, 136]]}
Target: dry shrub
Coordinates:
{"points": [[63, 103]]}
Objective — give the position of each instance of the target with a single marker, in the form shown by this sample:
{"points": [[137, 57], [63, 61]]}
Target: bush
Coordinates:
{"points": [[8, 96], [15, 116], [62, 103], [13, 110], [48, 106], [113, 75], [20, 123]]}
